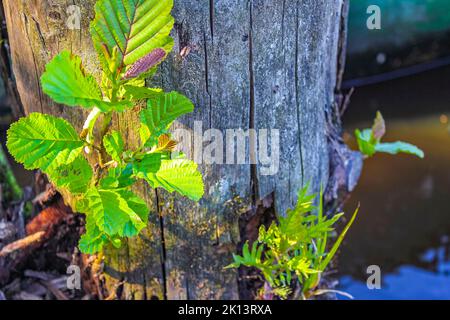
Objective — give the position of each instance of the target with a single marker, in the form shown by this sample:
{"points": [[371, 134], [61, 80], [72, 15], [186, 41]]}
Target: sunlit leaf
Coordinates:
{"points": [[39, 140], [66, 82], [135, 27], [160, 113], [114, 145], [179, 176]]}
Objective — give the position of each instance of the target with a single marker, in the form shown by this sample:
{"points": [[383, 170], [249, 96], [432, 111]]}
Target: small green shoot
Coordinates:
{"points": [[369, 141]]}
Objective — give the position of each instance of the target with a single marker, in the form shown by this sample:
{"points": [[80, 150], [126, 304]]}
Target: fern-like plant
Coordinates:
{"points": [[293, 253], [131, 39]]}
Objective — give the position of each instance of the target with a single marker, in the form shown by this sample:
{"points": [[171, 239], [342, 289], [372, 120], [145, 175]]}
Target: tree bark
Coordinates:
{"points": [[256, 64]]}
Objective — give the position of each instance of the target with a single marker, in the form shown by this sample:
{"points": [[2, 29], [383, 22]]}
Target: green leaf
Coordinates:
{"points": [[139, 93], [249, 258], [93, 240], [294, 223], [138, 205], [40, 140], [117, 243], [114, 145], [75, 176], [301, 266], [179, 175], [161, 111], [119, 177], [108, 183], [66, 82], [112, 212], [134, 27], [365, 143], [150, 163], [369, 141], [109, 210], [400, 147]]}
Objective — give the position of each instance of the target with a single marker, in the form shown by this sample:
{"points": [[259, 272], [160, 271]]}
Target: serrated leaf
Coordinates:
{"points": [[135, 27], [40, 140], [93, 240], [150, 163], [119, 177], [108, 209], [109, 183], [181, 176], [113, 211], [114, 145], [160, 113], [400, 147], [138, 205], [139, 93], [75, 176], [66, 82]]}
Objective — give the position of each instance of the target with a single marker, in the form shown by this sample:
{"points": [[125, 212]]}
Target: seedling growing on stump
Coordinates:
{"points": [[131, 39]]}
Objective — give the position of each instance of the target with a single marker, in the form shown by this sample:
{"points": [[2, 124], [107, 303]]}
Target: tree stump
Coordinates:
{"points": [[256, 64]]}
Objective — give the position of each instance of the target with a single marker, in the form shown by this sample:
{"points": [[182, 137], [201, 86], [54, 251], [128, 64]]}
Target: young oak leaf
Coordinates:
{"points": [[38, 141], [66, 82], [135, 28], [160, 113]]}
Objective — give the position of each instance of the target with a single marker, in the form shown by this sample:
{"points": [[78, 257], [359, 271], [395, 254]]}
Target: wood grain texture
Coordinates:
{"points": [[260, 64]]}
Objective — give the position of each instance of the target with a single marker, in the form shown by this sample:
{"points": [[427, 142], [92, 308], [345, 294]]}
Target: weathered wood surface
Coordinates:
{"points": [[261, 64]]}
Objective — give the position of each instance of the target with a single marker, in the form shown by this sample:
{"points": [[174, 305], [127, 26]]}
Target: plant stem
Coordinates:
{"points": [[104, 129], [88, 128]]}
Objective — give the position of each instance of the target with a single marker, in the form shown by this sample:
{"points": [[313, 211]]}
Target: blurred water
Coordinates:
{"points": [[404, 221]]}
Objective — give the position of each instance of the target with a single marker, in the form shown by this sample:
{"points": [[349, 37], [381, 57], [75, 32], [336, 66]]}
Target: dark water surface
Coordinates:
{"points": [[404, 221]]}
